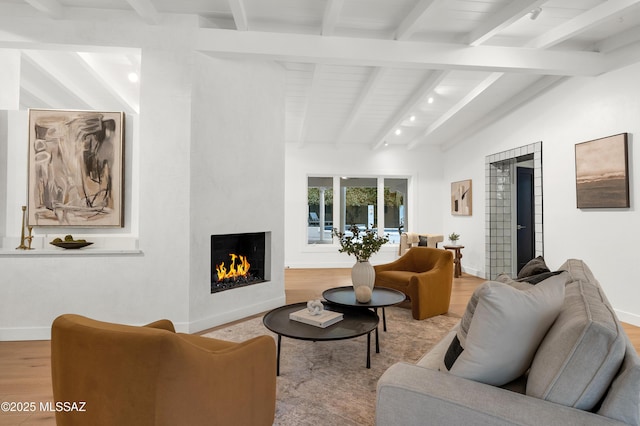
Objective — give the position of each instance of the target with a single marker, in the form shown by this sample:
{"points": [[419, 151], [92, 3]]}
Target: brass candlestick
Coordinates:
{"points": [[30, 237], [23, 238]]}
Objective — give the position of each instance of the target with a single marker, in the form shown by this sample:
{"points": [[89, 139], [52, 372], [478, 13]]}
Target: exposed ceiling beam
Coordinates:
{"points": [[313, 90], [146, 10], [363, 98], [331, 15], [392, 53], [239, 14], [499, 21], [534, 90], [477, 91], [409, 24], [52, 8], [582, 22], [430, 82], [64, 79], [555, 36], [107, 81]]}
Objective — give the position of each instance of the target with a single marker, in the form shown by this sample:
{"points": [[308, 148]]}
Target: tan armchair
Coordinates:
{"points": [[425, 275], [413, 239], [151, 375]]}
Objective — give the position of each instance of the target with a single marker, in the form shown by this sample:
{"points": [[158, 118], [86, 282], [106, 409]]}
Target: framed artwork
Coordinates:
{"points": [[602, 173], [461, 201], [76, 168]]}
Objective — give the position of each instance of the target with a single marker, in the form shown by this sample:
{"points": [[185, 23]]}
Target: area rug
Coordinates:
{"points": [[327, 383]]}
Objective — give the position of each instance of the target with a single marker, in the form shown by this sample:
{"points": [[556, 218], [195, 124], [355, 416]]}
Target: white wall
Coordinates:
{"points": [[424, 167], [237, 179], [579, 110], [169, 212]]}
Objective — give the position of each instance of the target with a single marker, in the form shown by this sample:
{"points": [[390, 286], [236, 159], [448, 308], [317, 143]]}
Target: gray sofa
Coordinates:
{"points": [[584, 372]]}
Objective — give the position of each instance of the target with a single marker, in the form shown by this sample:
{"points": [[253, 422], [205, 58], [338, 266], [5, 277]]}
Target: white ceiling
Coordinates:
{"points": [[357, 70]]}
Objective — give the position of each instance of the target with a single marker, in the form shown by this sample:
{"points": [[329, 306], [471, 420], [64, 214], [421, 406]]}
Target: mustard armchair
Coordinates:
{"points": [[151, 375], [425, 275]]}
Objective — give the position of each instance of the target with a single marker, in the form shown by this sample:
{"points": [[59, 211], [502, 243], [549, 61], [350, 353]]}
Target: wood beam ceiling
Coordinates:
{"points": [[393, 53]]}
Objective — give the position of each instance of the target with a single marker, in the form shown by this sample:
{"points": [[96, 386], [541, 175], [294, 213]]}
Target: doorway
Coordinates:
{"points": [[525, 225], [507, 246]]}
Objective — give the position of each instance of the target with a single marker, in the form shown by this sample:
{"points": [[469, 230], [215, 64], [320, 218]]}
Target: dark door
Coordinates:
{"points": [[525, 226]]}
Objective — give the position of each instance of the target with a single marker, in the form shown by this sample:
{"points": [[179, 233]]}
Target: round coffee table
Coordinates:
{"points": [[355, 322], [381, 297]]}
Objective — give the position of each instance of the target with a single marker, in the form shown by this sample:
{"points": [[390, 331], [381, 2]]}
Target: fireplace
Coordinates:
{"points": [[239, 260]]}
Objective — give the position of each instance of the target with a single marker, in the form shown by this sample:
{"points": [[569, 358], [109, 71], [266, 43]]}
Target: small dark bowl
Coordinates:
{"points": [[71, 244]]}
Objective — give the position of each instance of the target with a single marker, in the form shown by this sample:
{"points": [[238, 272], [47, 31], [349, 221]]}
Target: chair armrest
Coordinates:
{"points": [[163, 324], [409, 395]]}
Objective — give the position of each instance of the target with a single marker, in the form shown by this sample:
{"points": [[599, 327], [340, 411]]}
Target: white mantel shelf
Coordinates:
{"points": [[68, 252]]}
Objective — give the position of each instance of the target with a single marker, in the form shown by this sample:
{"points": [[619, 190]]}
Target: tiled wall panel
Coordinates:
{"points": [[499, 219]]}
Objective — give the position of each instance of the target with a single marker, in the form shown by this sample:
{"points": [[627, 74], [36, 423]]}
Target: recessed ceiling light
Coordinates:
{"points": [[133, 77], [412, 118], [398, 132], [430, 100]]}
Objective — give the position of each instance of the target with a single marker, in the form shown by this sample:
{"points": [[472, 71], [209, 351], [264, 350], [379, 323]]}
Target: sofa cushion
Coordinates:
{"points": [[533, 267], [582, 351], [623, 399], [507, 326]]}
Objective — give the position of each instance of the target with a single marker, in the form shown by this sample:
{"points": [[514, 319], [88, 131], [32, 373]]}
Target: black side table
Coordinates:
{"points": [[381, 297]]}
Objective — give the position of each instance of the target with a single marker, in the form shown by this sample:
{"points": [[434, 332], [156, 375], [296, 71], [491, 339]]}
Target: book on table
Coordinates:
{"points": [[323, 320]]}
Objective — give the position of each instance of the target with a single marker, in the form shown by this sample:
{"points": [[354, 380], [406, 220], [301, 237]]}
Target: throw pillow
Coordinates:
{"points": [[465, 322], [533, 267], [457, 344], [423, 241], [506, 328]]}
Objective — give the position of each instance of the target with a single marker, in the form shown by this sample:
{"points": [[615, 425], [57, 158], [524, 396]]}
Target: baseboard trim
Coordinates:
{"points": [[628, 317], [44, 333], [244, 312], [25, 333]]}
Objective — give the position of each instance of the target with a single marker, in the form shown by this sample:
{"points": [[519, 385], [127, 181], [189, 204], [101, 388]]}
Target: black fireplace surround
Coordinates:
{"points": [[227, 254]]}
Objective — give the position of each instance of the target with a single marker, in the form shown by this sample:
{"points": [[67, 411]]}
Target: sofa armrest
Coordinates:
{"points": [[411, 395]]}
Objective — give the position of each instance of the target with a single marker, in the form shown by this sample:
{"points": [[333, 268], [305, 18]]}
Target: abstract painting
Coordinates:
{"points": [[76, 176], [461, 198], [602, 173]]}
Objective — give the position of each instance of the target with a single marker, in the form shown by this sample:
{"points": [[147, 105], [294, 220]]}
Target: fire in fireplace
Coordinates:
{"points": [[237, 260]]}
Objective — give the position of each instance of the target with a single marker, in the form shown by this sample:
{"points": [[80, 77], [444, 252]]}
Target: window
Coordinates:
{"points": [[320, 210], [370, 202], [359, 201], [395, 208]]}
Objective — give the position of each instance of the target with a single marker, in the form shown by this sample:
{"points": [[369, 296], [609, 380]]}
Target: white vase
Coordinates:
{"points": [[363, 273]]}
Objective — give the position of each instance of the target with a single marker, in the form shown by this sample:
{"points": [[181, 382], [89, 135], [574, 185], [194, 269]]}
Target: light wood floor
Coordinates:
{"points": [[25, 367]]}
